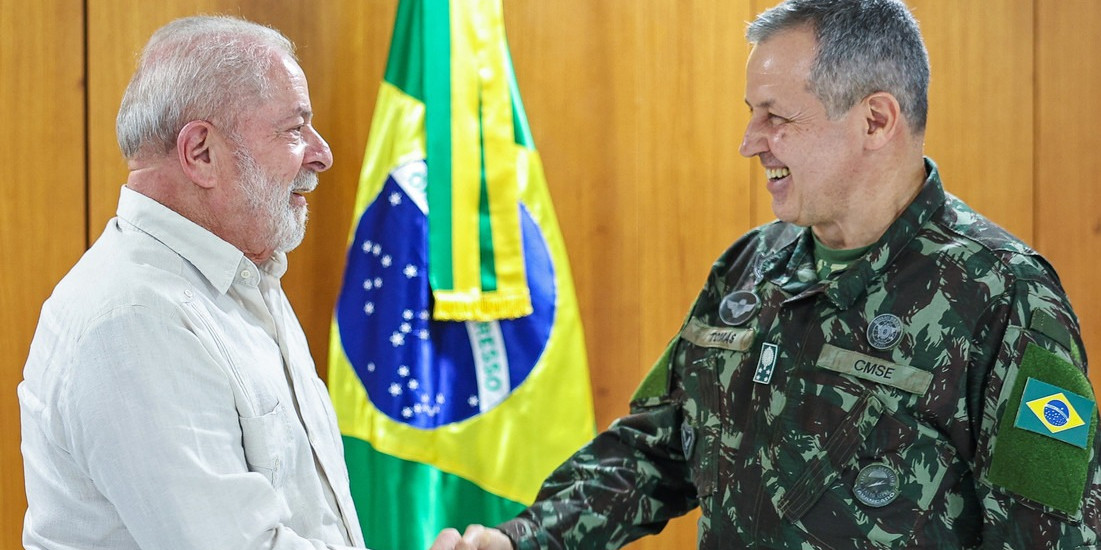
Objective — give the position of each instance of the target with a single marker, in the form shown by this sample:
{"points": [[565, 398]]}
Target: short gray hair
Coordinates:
{"points": [[863, 47], [195, 68]]}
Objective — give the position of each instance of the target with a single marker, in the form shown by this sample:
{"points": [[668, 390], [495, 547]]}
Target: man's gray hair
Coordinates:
{"points": [[195, 68], [864, 47]]}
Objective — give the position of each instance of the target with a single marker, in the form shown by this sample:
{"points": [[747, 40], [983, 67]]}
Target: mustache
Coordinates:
{"points": [[304, 182]]}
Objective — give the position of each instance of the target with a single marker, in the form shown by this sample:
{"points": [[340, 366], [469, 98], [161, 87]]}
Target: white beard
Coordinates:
{"points": [[270, 202]]}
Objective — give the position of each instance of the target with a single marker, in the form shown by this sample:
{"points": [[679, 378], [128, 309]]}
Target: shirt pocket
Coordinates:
{"points": [[823, 462], [709, 361], [697, 396], [266, 442], [910, 473]]}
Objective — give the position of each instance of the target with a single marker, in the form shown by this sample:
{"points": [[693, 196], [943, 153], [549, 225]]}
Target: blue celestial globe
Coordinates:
{"points": [[417, 370], [1056, 413]]}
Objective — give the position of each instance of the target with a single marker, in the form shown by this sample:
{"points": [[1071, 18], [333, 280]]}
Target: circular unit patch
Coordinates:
{"points": [[885, 331], [876, 485], [737, 307]]}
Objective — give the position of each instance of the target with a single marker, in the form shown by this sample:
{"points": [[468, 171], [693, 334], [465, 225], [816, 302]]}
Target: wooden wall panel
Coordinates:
{"points": [[980, 129], [42, 213], [1067, 195], [637, 109], [637, 117], [638, 114]]}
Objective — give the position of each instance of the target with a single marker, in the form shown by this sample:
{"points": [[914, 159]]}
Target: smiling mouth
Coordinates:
{"points": [[774, 174]]}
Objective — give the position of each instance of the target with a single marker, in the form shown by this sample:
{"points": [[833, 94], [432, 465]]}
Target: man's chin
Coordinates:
{"points": [[291, 243], [291, 235]]}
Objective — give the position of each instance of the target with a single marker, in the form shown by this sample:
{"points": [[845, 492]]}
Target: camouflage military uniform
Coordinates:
{"points": [[877, 409]]}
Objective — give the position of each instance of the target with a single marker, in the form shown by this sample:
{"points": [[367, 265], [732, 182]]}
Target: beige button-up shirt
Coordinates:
{"points": [[170, 401]]}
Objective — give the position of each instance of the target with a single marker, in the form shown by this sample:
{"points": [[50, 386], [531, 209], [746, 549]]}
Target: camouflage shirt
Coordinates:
{"points": [[931, 395]]}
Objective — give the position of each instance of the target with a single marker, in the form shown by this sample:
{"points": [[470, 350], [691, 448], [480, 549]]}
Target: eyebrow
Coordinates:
{"points": [[767, 104], [300, 111]]}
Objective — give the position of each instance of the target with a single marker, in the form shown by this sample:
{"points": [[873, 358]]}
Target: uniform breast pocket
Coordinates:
{"points": [[806, 463], [861, 474], [700, 397], [708, 361], [698, 435], [266, 442]]}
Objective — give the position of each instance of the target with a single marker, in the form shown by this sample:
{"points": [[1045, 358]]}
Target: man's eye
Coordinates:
{"points": [[776, 120]]}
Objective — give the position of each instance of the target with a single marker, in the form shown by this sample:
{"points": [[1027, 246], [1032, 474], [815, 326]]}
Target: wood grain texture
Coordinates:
{"points": [[1067, 196], [638, 114], [637, 110], [42, 213], [980, 129]]}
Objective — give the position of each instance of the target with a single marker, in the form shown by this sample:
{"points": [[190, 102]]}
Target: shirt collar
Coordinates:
{"points": [[221, 263], [787, 266]]}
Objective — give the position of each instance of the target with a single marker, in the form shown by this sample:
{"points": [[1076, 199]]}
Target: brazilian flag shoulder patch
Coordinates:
{"points": [[1046, 432], [1049, 410]]}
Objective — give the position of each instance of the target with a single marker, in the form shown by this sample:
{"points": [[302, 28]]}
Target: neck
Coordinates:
{"points": [[889, 193], [161, 180]]}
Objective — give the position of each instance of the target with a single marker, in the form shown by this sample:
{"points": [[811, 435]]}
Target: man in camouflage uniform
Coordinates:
{"points": [[881, 368]]}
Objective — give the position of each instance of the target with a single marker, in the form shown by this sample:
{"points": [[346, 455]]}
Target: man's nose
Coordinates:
{"points": [[318, 157], [753, 141]]}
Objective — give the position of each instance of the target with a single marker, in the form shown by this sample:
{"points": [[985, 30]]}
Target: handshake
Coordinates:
{"points": [[476, 537]]}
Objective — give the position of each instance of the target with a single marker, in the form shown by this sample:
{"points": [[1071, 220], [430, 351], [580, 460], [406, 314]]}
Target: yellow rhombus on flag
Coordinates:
{"points": [[457, 359]]}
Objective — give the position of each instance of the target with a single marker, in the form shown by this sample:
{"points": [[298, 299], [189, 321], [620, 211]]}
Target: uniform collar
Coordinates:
{"points": [[221, 263], [792, 265]]}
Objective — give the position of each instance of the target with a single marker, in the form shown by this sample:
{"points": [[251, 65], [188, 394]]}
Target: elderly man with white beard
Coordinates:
{"points": [[169, 399]]}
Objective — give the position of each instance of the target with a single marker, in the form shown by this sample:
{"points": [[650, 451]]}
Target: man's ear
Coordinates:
{"points": [[193, 148], [882, 119]]}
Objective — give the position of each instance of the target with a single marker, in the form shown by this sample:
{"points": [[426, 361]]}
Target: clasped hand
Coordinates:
{"points": [[476, 537]]}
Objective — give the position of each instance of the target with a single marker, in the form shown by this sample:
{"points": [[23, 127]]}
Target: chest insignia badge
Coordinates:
{"points": [[876, 485], [738, 307], [885, 331], [766, 365]]}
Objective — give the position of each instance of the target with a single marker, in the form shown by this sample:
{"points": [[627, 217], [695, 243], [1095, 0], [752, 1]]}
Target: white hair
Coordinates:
{"points": [[195, 68]]}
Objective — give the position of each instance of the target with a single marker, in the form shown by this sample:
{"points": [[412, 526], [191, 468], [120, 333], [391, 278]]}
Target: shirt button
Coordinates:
{"points": [[188, 294], [246, 274]]}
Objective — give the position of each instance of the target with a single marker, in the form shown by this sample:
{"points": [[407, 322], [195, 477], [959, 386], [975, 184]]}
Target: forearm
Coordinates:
{"points": [[627, 483]]}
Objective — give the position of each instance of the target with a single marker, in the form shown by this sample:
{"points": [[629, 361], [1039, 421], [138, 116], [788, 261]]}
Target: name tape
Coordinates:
{"points": [[731, 338], [903, 377]]}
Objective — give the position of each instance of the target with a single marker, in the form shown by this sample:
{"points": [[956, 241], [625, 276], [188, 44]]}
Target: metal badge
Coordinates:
{"points": [[687, 439], [766, 365], [738, 307], [876, 485], [885, 331]]}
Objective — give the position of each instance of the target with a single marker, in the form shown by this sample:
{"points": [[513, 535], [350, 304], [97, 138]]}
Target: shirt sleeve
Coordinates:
{"points": [[151, 419], [628, 482], [1037, 470]]}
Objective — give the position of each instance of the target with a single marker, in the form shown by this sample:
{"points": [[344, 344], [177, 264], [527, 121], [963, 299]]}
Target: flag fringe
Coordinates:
{"points": [[489, 306]]}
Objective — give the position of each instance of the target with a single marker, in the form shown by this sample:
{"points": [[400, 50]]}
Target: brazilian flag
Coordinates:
{"points": [[1052, 411], [457, 361]]}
